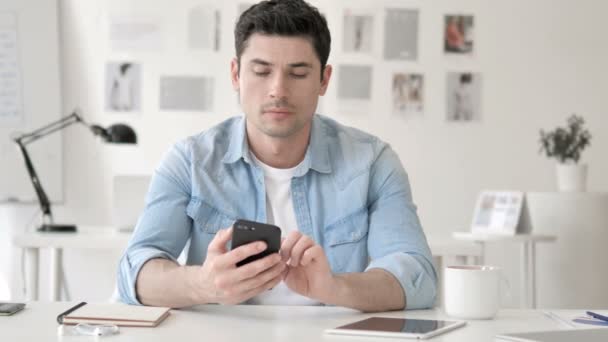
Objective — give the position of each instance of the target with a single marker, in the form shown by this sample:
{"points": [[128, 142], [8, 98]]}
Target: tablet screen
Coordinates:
{"points": [[397, 325]]}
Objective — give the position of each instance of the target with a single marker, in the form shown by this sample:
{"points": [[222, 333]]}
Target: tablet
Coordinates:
{"points": [[396, 327]]}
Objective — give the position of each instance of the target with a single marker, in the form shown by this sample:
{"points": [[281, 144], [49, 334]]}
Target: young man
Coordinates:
{"points": [[341, 197]]}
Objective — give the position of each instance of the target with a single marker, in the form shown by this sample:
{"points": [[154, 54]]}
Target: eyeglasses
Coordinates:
{"points": [[96, 329]]}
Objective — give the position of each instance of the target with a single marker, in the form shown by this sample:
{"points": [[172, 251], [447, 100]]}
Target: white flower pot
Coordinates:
{"points": [[571, 177]]}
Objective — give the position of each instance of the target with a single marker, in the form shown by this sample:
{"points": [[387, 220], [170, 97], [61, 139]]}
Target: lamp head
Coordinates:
{"points": [[116, 134]]}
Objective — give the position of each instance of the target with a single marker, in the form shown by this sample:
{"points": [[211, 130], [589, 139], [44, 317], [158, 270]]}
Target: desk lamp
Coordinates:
{"points": [[116, 134]]}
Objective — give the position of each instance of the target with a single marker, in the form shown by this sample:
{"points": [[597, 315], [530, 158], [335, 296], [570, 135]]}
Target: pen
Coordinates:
{"points": [[598, 316]]}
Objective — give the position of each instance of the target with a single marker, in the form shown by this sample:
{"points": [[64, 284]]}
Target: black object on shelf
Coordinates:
{"points": [[116, 134]]}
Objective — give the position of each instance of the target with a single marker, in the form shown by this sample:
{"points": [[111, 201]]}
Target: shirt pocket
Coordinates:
{"points": [[206, 218], [346, 242]]}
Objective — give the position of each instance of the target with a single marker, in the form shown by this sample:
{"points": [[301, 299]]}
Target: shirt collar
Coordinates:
{"points": [[238, 147], [316, 157], [317, 152]]}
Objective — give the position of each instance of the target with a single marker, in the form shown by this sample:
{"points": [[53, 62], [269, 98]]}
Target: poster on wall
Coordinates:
{"points": [[204, 28], [458, 34], [11, 101], [354, 82], [186, 93], [123, 87], [358, 31], [463, 97], [354, 88], [401, 34], [408, 94], [134, 33]]}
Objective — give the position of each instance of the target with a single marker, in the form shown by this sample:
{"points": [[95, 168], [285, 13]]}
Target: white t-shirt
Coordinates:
{"points": [[280, 212]]}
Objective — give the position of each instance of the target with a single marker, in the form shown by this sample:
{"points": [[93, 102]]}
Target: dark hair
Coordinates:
{"points": [[466, 78], [284, 18], [124, 67]]}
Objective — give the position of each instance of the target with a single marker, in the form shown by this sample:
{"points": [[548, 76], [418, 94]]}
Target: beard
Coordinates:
{"points": [[280, 128]]}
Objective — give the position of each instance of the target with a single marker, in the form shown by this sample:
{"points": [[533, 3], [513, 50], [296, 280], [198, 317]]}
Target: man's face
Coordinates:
{"points": [[279, 83]]}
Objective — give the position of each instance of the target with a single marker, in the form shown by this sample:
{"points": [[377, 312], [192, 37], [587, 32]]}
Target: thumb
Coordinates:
{"points": [[217, 246]]}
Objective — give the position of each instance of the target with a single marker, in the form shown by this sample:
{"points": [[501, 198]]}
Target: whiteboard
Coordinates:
{"points": [[29, 97]]}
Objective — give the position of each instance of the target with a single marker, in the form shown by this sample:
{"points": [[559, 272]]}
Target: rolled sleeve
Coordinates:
{"points": [[129, 268], [396, 242], [416, 279]]}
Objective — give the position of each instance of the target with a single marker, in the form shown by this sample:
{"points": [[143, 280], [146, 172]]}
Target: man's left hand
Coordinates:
{"points": [[308, 272]]}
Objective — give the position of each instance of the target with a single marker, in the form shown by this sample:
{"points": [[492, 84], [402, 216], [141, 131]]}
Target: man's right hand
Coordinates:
{"points": [[219, 280]]}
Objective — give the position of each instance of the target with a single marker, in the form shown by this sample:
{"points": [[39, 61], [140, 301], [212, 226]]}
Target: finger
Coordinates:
{"points": [[298, 250], [264, 287], [241, 253], [311, 254], [254, 268], [218, 244], [275, 271], [288, 244]]}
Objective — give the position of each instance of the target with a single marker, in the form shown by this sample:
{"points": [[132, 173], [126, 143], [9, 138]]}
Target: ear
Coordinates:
{"points": [[234, 73], [325, 80]]}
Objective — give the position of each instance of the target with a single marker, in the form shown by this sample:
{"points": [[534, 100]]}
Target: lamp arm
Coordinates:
{"points": [[45, 205], [27, 138], [55, 126]]}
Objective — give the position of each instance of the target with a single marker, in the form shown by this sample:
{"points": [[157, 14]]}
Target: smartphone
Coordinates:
{"points": [[245, 232], [7, 309]]}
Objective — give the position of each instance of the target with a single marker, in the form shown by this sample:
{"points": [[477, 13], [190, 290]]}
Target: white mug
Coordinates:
{"points": [[472, 292]]}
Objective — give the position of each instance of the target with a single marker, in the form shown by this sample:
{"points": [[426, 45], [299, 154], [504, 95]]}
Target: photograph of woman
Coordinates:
{"points": [[122, 87], [463, 97]]}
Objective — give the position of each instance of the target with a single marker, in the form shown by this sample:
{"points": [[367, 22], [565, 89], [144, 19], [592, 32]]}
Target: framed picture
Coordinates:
{"points": [[123, 86], [408, 94], [458, 34], [463, 97], [358, 31], [498, 212]]}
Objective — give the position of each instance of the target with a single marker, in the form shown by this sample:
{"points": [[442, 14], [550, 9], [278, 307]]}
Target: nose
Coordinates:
{"points": [[279, 87]]}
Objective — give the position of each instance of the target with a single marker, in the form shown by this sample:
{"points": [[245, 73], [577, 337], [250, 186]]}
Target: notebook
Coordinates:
{"points": [[114, 313], [587, 335]]}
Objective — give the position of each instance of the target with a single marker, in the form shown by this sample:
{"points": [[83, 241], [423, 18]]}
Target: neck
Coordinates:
{"points": [[280, 153]]}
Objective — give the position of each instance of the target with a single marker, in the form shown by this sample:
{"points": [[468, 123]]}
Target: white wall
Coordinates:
{"points": [[540, 61]]}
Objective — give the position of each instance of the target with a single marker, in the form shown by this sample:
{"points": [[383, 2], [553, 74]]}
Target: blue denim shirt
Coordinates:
{"points": [[350, 194]]}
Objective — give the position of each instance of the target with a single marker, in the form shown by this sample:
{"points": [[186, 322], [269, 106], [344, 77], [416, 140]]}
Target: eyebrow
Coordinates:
{"points": [[291, 65]]}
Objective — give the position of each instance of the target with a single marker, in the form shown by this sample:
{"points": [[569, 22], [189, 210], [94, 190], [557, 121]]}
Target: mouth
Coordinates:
{"points": [[278, 111]]}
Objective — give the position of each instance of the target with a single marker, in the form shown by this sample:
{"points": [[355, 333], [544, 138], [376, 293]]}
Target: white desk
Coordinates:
{"points": [[86, 238], [528, 257], [260, 323], [442, 247]]}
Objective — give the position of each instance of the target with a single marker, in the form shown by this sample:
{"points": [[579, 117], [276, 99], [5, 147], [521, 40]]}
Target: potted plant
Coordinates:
{"points": [[566, 145]]}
